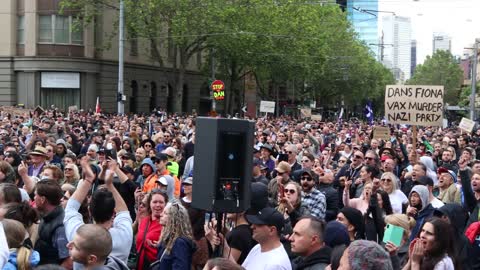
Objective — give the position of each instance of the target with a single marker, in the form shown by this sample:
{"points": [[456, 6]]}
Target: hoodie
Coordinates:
{"points": [[458, 218], [112, 263], [141, 179], [180, 257], [425, 212], [12, 260], [317, 260], [431, 171]]}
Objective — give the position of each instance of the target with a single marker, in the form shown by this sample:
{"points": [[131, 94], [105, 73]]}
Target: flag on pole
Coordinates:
{"points": [[340, 115], [97, 107], [369, 112]]}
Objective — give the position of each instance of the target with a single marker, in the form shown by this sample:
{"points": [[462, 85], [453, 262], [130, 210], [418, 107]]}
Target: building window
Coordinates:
{"points": [[45, 29], [60, 30], [21, 30]]}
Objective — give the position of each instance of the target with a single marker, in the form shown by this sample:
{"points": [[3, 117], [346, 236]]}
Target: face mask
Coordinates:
{"points": [[109, 146]]}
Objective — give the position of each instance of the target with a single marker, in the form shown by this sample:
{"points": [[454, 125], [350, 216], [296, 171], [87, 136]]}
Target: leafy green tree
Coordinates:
{"points": [[440, 69]]}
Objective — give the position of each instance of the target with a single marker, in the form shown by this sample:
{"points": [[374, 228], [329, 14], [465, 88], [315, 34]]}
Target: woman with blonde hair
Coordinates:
{"points": [[390, 184], [22, 256], [399, 254], [176, 242], [71, 174]]}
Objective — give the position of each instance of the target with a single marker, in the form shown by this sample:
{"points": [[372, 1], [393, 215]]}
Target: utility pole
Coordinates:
{"points": [[121, 109], [474, 81], [212, 70]]}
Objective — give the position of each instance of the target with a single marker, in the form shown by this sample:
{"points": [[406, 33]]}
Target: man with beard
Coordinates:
{"points": [[447, 161], [418, 170], [351, 172], [52, 240], [419, 208], [312, 198], [269, 253], [307, 164], [449, 193]]}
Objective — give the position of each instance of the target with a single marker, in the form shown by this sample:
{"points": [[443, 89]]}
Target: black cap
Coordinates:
{"points": [[101, 150], [425, 181], [268, 147], [161, 156], [267, 216], [127, 169], [129, 156]]}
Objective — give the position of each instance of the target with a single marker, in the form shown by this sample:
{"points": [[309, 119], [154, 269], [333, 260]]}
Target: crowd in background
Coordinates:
{"points": [[95, 191]]}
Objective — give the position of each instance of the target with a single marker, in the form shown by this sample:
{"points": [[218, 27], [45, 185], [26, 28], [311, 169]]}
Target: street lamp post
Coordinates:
{"points": [[120, 59], [474, 81]]}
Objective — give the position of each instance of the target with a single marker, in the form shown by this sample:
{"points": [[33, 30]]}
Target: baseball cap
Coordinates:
{"points": [[162, 180], [188, 180], [267, 216], [445, 170], [127, 169], [129, 155], [161, 156], [101, 150]]}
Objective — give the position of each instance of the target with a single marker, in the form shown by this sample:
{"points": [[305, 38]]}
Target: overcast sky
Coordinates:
{"points": [[460, 19]]}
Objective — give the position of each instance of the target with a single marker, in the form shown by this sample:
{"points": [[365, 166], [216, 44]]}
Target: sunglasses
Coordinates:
{"points": [[369, 158], [68, 169], [342, 161], [360, 157], [291, 191], [280, 173], [306, 160], [306, 178], [148, 145], [386, 179]]}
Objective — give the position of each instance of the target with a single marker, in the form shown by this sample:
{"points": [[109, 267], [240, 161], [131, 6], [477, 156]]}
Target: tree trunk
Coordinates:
{"points": [[180, 81]]}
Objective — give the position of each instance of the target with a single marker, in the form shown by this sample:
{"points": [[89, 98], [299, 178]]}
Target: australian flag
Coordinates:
{"points": [[369, 112]]}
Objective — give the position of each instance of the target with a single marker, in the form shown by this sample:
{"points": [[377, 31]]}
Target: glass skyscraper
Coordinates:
{"points": [[364, 17]]}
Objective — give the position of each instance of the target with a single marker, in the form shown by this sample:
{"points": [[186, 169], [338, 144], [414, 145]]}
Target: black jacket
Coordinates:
{"points": [[317, 261], [44, 245], [331, 195]]}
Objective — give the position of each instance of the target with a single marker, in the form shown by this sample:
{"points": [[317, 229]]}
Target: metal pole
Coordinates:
{"points": [[474, 81], [212, 69], [120, 59]]}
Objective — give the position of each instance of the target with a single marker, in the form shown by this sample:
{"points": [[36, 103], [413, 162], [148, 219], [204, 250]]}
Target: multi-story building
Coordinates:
{"points": [[364, 17], [441, 42], [397, 33], [46, 61], [413, 56]]}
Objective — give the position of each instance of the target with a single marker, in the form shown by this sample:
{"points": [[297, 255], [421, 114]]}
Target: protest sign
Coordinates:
{"points": [[316, 117], [382, 133], [466, 125], [306, 112], [414, 104], [267, 106]]}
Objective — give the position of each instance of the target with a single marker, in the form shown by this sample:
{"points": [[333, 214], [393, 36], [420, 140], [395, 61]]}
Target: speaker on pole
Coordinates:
{"points": [[222, 169]]}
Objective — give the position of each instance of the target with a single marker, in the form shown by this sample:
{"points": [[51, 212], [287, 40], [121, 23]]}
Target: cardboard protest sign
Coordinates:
{"points": [[267, 106], [414, 104], [306, 112], [466, 125], [382, 133], [316, 117]]}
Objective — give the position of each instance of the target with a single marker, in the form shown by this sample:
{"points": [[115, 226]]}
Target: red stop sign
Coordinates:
{"points": [[217, 86]]}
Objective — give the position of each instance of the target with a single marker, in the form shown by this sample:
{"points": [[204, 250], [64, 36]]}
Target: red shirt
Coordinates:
{"points": [[144, 250]]}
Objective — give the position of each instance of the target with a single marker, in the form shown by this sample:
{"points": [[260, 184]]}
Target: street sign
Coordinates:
{"points": [[267, 106], [218, 88]]}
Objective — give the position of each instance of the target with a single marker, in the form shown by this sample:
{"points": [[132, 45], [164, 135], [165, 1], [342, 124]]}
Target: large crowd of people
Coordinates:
{"points": [[95, 191]]}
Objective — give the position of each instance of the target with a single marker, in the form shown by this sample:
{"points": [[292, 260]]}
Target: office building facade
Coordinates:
{"points": [[398, 55], [45, 60], [364, 17]]}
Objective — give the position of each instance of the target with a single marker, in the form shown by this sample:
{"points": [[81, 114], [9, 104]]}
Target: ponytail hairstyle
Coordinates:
{"points": [[15, 233]]}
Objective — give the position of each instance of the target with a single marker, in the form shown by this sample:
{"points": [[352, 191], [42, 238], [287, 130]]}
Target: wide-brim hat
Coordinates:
{"points": [[39, 151]]}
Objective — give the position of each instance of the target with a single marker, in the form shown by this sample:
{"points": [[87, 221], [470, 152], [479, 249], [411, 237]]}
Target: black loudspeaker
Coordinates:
{"points": [[222, 168]]}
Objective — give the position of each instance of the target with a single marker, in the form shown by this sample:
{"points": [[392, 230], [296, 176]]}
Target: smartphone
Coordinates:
{"points": [[207, 218], [393, 234], [282, 157]]}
